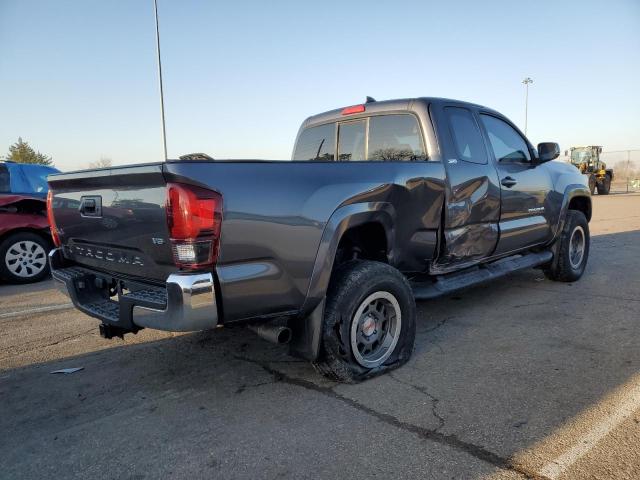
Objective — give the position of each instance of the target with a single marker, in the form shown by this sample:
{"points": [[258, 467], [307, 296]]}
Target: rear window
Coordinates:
{"points": [[316, 143], [466, 135], [351, 141], [395, 137]]}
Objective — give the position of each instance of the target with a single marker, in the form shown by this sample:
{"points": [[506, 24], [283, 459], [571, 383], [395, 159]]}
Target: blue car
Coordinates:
{"points": [[25, 178]]}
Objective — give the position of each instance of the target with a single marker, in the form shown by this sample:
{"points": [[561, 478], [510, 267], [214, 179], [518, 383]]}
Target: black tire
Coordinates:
{"points": [[372, 287], [604, 186], [566, 265], [592, 184], [25, 248]]}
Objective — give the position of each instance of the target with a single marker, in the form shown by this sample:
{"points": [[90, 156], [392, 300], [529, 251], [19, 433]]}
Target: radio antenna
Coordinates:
{"points": [[164, 132]]}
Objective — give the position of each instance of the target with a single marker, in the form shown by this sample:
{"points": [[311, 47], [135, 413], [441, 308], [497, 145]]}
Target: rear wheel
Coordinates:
{"points": [[23, 258], [572, 250], [369, 322], [604, 186]]}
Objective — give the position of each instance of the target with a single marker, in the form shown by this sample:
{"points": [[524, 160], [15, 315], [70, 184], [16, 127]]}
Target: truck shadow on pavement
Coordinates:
{"points": [[495, 370]]}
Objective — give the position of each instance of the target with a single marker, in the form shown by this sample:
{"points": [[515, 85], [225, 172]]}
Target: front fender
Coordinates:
{"points": [[571, 191]]}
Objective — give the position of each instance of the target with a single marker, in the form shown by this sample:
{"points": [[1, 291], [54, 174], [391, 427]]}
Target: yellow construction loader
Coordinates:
{"points": [[587, 160]]}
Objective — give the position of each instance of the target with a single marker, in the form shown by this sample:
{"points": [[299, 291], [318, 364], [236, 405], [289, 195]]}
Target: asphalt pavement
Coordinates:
{"points": [[519, 378]]}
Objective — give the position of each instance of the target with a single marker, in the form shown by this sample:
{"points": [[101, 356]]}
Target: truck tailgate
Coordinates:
{"points": [[115, 220]]}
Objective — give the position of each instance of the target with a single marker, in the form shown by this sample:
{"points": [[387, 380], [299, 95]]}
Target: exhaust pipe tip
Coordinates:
{"points": [[272, 333], [284, 336]]}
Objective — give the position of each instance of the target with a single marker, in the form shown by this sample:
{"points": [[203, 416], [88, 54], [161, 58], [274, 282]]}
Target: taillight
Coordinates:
{"points": [[52, 221], [353, 109], [194, 217]]}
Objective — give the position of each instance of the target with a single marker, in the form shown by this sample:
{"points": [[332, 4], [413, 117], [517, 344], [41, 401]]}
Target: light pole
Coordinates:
{"points": [[526, 82], [628, 161], [164, 133]]}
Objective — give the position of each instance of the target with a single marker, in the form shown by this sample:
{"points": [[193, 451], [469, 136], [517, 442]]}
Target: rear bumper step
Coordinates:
{"points": [[446, 284], [186, 302]]}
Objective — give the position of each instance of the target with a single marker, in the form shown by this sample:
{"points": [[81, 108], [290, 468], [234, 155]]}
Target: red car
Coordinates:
{"points": [[25, 239]]}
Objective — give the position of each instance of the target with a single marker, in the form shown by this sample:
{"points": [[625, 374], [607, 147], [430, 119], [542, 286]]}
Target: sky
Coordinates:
{"points": [[78, 78]]}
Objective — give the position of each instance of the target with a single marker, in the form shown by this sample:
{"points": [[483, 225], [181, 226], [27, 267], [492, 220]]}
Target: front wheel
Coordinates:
{"points": [[572, 249], [605, 186], [369, 322], [23, 258]]}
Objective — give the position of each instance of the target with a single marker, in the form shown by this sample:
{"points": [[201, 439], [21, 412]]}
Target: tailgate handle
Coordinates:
{"points": [[91, 206]]}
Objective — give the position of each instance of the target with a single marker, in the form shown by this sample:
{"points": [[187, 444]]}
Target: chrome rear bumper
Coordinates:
{"points": [[186, 303]]}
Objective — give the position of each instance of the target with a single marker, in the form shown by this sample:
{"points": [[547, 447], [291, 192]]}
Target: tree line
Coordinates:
{"points": [[22, 152]]}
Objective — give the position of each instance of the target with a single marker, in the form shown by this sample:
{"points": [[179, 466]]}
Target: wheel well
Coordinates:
{"points": [[367, 241], [41, 233], [582, 204]]}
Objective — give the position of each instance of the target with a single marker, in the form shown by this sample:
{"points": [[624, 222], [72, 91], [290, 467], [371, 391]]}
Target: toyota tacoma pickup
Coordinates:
{"points": [[382, 204]]}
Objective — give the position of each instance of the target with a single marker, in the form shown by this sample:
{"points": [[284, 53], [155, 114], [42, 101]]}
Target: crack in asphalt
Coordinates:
{"points": [[70, 337], [423, 391], [533, 304], [438, 325], [449, 440], [246, 386]]}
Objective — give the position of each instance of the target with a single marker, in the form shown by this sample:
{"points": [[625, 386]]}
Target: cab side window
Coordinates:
{"points": [[466, 135], [395, 137], [508, 145]]}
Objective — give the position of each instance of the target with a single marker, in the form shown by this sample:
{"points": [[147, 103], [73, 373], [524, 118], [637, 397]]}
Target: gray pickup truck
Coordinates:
{"points": [[382, 203]]}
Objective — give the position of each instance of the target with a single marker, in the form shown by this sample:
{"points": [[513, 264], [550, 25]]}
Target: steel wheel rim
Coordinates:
{"points": [[25, 259], [375, 329], [577, 244]]}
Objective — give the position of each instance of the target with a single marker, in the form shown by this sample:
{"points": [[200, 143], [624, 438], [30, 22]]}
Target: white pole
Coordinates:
{"points": [[526, 82], [628, 171], [526, 107], [164, 132]]}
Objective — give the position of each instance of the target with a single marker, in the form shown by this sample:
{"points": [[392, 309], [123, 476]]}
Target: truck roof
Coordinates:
{"points": [[396, 105]]}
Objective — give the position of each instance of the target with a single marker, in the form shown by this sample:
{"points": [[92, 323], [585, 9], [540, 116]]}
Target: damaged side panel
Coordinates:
{"points": [[22, 212], [470, 242], [471, 231], [22, 204], [472, 208]]}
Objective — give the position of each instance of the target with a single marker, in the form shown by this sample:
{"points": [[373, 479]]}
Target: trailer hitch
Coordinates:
{"points": [[110, 331]]}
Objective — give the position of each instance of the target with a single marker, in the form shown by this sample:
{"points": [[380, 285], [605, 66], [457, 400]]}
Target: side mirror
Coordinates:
{"points": [[548, 151]]}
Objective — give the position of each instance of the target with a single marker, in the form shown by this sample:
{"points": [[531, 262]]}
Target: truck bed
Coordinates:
{"points": [[275, 221]]}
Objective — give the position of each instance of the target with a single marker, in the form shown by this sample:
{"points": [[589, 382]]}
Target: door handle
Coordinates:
{"points": [[508, 182], [88, 206], [91, 206]]}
